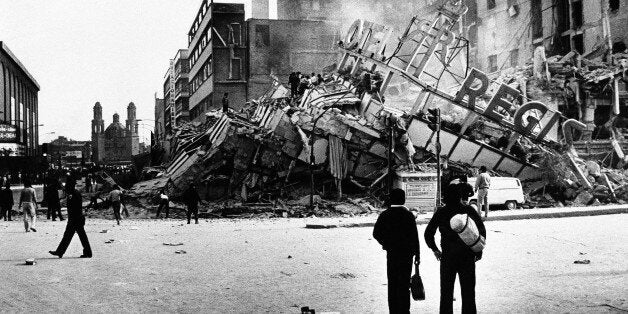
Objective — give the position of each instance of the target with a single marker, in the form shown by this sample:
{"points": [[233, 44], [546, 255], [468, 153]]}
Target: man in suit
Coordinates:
{"points": [[76, 222], [396, 231], [192, 198]]}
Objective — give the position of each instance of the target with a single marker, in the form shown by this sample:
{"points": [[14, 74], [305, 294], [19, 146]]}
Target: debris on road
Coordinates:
{"points": [[584, 261], [173, 244], [30, 261], [180, 252]]}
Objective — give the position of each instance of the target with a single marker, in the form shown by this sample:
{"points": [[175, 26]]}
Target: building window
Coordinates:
{"points": [[514, 58], [492, 63], [576, 14], [562, 16], [613, 5], [490, 4], [235, 33], [235, 68], [262, 36], [578, 43], [536, 15]]}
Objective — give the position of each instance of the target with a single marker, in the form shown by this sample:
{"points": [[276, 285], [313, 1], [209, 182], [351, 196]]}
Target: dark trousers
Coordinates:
{"points": [[70, 229], [399, 270], [54, 209], [116, 210], [163, 204], [193, 209], [463, 264], [5, 212]]}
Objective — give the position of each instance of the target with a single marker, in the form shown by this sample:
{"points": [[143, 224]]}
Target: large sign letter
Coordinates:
{"points": [[532, 121], [473, 93], [500, 100]]}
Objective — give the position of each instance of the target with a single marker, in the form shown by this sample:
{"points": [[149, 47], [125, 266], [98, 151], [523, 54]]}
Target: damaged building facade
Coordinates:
{"points": [[337, 135]]}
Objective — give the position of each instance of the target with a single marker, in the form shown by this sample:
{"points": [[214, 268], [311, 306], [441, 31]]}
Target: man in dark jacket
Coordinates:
{"points": [[52, 198], [76, 222], [192, 198], [456, 257], [396, 231], [6, 201]]}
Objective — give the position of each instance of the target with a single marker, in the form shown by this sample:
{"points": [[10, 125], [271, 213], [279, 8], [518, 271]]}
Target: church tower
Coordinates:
{"points": [[98, 130], [131, 119]]}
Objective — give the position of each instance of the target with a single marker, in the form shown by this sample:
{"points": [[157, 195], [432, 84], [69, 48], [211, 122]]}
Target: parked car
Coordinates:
{"points": [[506, 191]]}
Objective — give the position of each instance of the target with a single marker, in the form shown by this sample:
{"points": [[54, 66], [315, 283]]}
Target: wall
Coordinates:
{"points": [[306, 48]]}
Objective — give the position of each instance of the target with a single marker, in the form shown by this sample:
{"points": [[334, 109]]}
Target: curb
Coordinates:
{"points": [[423, 221]]}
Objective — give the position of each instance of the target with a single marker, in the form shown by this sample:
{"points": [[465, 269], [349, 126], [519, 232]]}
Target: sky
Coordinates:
{"points": [[81, 52]]}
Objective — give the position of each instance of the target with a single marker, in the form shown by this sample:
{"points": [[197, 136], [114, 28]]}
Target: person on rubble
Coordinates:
{"points": [[293, 80], [164, 203], [225, 103], [191, 199], [482, 184], [396, 231], [303, 84], [114, 198], [76, 223], [456, 257], [313, 79]]}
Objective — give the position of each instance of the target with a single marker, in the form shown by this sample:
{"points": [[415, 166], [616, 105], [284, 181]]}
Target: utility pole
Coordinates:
{"points": [[435, 124]]}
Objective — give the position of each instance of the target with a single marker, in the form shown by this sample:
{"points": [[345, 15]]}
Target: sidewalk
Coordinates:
{"points": [[535, 213]]}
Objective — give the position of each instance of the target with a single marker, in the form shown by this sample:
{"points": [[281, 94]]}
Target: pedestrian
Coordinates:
{"points": [[76, 222], [88, 184], [28, 204], [192, 198], [482, 184], [396, 231], [164, 203], [313, 79], [303, 84], [456, 257], [51, 193], [6, 201], [225, 103], [123, 204], [114, 198]]}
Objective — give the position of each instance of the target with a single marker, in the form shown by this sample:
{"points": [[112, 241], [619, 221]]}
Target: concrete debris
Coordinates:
{"points": [[262, 160]]}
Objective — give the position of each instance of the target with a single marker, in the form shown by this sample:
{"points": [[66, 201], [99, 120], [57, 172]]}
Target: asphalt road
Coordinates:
{"points": [[251, 266]]}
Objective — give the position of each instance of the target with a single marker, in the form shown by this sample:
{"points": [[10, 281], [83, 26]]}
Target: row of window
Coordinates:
{"points": [[513, 58], [20, 106], [203, 106], [203, 74], [200, 46], [199, 19]]}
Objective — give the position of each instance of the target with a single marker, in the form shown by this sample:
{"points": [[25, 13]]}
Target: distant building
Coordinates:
{"points": [[169, 120], [117, 143], [159, 133], [218, 58], [181, 88], [19, 118], [67, 153]]}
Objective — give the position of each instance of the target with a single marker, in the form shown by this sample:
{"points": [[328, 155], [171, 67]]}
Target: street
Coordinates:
{"points": [[277, 266]]}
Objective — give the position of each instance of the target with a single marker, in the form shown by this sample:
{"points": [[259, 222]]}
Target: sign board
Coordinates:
{"points": [[8, 133], [420, 189], [74, 153]]}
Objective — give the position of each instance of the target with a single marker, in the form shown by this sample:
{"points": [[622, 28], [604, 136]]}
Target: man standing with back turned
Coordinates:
{"points": [[482, 184], [396, 231]]}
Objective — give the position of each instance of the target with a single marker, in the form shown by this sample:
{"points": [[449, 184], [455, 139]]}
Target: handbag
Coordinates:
{"points": [[416, 285]]}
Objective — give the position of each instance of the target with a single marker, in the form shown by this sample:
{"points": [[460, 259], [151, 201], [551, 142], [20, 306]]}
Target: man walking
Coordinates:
{"points": [[482, 184], [396, 231], [114, 198], [456, 257], [192, 198], [76, 223], [225, 103], [164, 203], [28, 204]]}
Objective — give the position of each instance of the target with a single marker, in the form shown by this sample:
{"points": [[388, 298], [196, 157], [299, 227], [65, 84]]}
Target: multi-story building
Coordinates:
{"points": [[160, 132], [169, 103], [19, 125], [217, 55], [307, 48], [68, 153], [181, 67]]}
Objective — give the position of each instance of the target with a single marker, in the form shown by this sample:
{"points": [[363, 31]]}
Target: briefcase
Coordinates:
{"points": [[416, 285]]}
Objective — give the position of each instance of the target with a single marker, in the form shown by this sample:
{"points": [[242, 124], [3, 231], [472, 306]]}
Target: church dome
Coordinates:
{"points": [[97, 105], [131, 105], [116, 118]]}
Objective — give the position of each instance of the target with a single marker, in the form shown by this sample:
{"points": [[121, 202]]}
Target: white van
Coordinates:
{"points": [[503, 191]]}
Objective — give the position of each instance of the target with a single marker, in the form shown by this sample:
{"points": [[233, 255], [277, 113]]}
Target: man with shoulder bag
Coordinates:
{"points": [[396, 231]]}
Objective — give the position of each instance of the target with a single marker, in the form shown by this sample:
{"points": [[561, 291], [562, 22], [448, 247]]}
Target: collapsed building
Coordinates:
{"points": [[369, 118]]}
